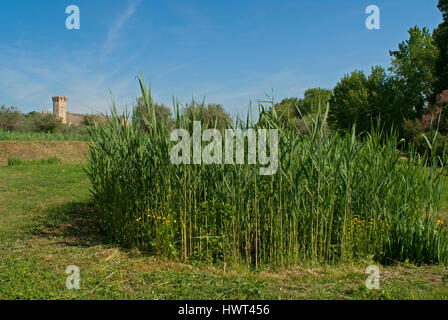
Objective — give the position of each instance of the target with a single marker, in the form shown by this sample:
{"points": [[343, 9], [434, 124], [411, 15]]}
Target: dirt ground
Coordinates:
{"points": [[68, 151]]}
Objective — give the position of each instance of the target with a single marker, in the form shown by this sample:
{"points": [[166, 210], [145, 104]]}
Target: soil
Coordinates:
{"points": [[68, 151]]}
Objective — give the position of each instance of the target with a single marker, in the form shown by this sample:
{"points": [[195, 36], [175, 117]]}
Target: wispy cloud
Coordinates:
{"points": [[113, 34], [180, 66]]}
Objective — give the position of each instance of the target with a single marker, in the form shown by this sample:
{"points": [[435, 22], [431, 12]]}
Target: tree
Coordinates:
{"points": [[350, 100], [289, 108], [309, 104], [314, 97], [364, 100], [211, 116], [441, 40], [37, 122], [443, 7], [413, 67], [297, 111], [162, 112], [10, 119]]}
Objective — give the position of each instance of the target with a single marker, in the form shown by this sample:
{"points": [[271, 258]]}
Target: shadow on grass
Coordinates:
{"points": [[73, 223]]}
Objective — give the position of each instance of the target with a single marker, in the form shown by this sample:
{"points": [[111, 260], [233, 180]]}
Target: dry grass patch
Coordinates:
{"points": [[68, 151]]}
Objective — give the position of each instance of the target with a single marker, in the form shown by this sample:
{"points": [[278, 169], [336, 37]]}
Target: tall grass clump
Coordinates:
{"points": [[13, 162], [334, 197]]}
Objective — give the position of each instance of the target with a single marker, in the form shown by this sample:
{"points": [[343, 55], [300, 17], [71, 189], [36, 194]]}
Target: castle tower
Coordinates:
{"points": [[60, 108]]}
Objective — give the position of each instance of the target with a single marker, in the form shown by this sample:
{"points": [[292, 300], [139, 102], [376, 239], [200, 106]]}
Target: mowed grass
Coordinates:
{"points": [[46, 225], [41, 136]]}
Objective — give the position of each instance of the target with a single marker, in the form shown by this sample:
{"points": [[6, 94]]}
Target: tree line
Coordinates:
{"points": [[402, 98], [11, 119]]}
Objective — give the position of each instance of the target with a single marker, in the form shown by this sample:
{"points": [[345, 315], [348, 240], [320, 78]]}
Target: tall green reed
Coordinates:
{"points": [[334, 197]]}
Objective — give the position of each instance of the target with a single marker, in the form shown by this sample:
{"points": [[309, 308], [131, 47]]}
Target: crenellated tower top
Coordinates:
{"points": [[60, 107]]}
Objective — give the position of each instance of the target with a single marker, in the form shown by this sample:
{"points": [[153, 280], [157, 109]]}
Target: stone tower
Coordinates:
{"points": [[60, 108]]}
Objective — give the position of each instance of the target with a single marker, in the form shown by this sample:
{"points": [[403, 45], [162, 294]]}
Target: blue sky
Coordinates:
{"points": [[230, 52]]}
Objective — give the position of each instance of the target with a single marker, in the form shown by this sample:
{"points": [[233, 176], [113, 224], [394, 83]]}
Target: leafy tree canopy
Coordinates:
{"points": [[211, 116], [413, 68], [443, 7], [441, 40], [309, 104], [162, 113], [364, 100]]}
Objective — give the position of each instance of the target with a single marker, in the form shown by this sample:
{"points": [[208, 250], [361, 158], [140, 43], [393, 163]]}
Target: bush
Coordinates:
{"points": [[90, 119], [430, 145], [10, 119], [313, 100], [43, 122], [161, 112], [424, 136], [411, 129], [211, 116], [73, 130], [34, 126]]}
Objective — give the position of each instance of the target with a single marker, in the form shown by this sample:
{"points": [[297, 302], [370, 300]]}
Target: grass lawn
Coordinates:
{"points": [[46, 225], [41, 136]]}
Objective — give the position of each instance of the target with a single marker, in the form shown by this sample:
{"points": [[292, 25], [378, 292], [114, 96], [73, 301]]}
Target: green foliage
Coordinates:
{"points": [[162, 113], [306, 211], [298, 108], [413, 69], [296, 113], [443, 7], [19, 162], [33, 126], [315, 97], [73, 130], [389, 99], [211, 116], [37, 122], [90, 119], [431, 143], [361, 100], [350, 101], [42, 136], [428, 133], [10, 118], [411, 129], [441, 40]]}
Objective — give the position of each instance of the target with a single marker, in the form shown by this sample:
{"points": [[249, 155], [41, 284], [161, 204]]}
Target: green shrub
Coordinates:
{"points": [[36, 126], [161, 112], [37, 122], [425, 144], [15, 162], [10, 119], [211, 116], [411, 129]]}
